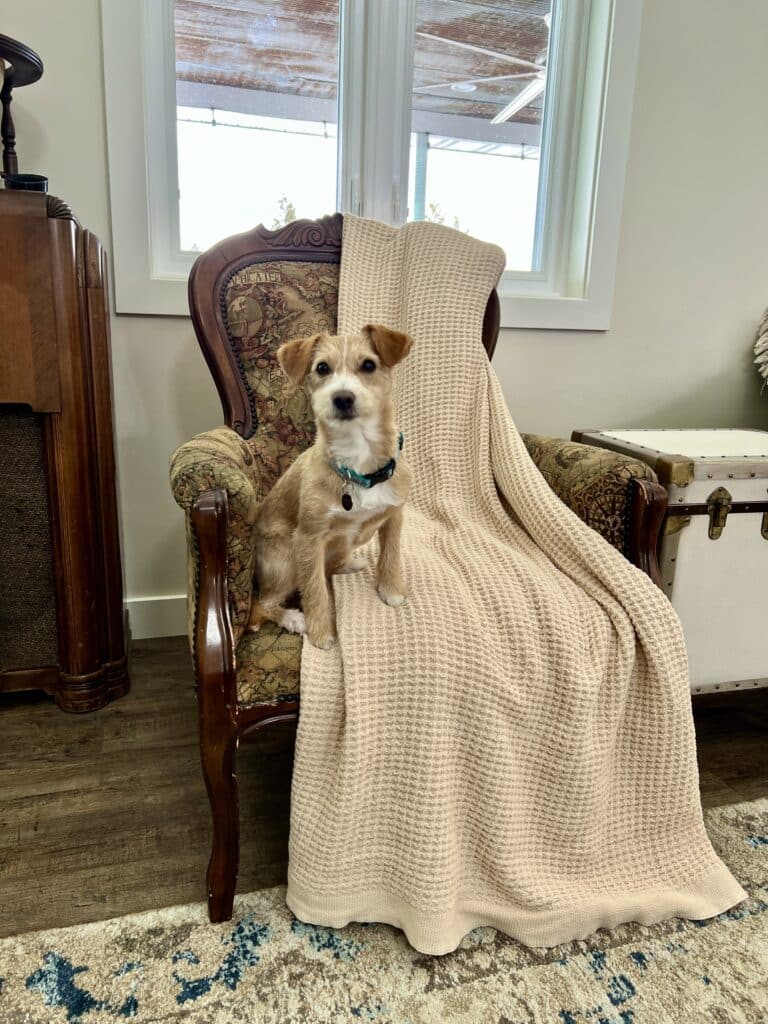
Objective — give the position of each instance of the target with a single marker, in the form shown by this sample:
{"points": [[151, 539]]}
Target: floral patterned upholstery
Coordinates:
{"points": [[222, 459], [265, 304], [594, 482], [268, 666]]}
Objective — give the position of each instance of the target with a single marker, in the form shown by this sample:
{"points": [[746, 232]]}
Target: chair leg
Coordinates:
{"points": [[220, 775], [214, 661]]}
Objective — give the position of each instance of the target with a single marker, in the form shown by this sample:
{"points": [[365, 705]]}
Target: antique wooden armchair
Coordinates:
{"points": [[247, 295]]}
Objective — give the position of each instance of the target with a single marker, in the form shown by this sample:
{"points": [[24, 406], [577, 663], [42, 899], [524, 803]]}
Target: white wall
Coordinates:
{"points": [[692, 278], [692, 275]]}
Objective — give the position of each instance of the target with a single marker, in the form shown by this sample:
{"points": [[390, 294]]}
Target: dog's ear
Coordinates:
{"points": [[391, 346], [295, 356]]}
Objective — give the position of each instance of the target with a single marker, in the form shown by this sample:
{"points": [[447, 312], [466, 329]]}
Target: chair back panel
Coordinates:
{"points": [[266, 304], [250, 293]]}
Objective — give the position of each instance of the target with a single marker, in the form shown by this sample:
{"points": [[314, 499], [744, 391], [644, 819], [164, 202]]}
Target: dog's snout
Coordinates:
{"points": [[344, 401]]}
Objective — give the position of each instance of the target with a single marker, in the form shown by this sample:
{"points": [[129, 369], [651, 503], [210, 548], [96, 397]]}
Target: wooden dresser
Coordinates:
{"points": [[62, 624]]}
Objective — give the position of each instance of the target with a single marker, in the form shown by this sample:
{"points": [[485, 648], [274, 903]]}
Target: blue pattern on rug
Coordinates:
{"points": [[55, 981], [327, 940], [757, 841], [620, 989], [640, 959], [245, 938], [126, 968], [596, 962], [678, 947], [58, 984], [186, 955], [368, 1012], [595, 1016]]}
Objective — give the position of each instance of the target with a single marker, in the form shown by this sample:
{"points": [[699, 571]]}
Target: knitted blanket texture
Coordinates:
{"points": [[514, 747]]}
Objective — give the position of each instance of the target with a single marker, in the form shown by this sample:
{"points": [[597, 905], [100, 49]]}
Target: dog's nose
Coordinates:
{"points": [[343, 401]]}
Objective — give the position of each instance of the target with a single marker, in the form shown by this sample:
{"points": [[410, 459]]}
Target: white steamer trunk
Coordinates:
{"points": [[717, 481]]}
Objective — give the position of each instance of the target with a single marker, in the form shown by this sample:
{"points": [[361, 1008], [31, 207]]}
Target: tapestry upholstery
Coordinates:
{"points": [[221, 459], [593, 482], [266, 304], [268, 666]]}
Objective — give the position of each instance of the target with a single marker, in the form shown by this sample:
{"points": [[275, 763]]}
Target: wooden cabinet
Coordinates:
{"points": [[62, 624]]}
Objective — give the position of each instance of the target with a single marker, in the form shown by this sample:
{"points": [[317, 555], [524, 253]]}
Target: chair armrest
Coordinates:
{"points": [[221, 462], [217, 460], [600, 487], [212, 636]]}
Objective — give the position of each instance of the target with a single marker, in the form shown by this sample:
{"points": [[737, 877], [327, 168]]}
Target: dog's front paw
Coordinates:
{"points": [[293, 621], [321, 633], [391, 595], [324, 641]]}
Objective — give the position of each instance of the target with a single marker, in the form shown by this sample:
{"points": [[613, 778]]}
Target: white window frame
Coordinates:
{"points": [[585, 140]]}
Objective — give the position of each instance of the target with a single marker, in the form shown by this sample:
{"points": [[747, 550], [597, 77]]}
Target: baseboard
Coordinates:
{"points": [[158, 616]]}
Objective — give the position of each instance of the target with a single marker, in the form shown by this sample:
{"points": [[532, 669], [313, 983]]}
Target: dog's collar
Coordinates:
{"points": [[378, 476]]}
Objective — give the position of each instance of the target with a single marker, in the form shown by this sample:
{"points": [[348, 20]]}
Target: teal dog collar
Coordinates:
{"points": [[367, 480]]}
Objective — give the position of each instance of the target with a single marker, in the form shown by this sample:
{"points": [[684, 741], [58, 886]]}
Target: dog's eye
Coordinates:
{"points": [[368, 366], [322, 369]]}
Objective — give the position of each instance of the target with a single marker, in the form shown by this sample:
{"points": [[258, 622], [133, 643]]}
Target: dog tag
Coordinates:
{"points": [[346, 501]]}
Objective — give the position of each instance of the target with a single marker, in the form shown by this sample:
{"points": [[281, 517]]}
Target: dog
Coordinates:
{"points": [[352, 482]]}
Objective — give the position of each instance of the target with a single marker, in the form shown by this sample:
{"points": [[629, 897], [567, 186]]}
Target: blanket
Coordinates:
{"points": [[514, 747]]}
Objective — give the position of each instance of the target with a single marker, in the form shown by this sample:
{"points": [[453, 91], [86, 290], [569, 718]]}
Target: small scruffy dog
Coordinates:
{"points": [[352, 482]]}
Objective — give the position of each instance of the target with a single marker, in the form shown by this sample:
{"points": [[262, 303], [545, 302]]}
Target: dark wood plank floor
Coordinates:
{"points": [[106, 813]]}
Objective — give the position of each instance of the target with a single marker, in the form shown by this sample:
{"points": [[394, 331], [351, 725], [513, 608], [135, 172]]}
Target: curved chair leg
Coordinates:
{"points": [[214, 658], [221, 782]]}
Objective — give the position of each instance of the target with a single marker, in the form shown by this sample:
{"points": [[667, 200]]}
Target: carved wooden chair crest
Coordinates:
{"points": [[247, 295]]}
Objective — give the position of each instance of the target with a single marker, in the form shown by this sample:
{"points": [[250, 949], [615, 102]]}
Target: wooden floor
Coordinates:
{"points": [[106, 813]]}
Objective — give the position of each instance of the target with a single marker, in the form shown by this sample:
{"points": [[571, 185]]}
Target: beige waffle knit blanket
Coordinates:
{"points": [[514, 747]]}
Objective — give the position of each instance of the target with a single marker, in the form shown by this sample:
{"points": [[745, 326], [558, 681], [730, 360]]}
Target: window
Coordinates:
{"points": [[256, 107], [260, 169], [489, 190], [504, 118]]}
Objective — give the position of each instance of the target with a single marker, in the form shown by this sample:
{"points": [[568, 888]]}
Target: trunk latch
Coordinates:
{"points": [[718, 506]]}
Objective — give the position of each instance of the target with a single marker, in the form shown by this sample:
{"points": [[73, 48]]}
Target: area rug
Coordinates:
{"points": [[265, 966]]}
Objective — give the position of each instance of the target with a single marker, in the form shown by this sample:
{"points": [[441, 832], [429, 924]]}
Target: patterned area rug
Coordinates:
{"points": [[264, 966]]}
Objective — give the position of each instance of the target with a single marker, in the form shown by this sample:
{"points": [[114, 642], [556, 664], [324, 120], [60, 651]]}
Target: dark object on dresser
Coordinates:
{"points": [[22, 66], [62, 624], [248, 294], [26, 182]]}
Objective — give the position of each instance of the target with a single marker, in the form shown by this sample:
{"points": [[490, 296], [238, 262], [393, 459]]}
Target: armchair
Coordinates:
{"points": [[247, 295]]}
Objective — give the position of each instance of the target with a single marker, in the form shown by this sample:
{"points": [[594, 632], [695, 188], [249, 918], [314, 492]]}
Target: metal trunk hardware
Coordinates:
{"points": [[718, 505]]}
